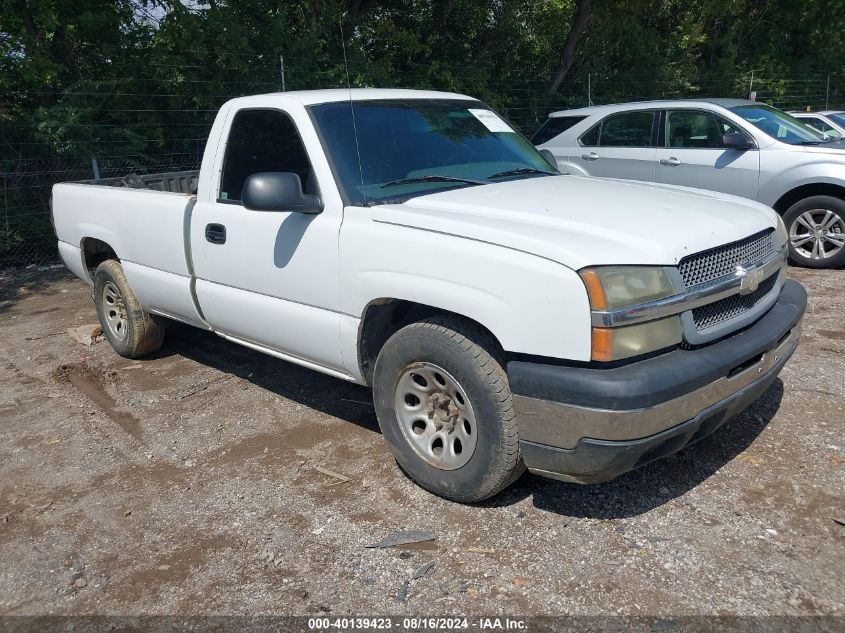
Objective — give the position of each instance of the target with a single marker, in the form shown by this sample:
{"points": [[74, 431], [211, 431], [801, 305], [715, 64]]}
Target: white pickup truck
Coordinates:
{"points": [[506, 316]]}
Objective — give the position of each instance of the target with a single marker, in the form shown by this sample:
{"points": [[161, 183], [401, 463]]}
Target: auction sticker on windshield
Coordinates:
{"points": [[491, 120]]}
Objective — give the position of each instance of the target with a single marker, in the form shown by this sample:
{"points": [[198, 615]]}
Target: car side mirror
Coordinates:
{"points": [[547, 154], [278, 191], [735, 140]]}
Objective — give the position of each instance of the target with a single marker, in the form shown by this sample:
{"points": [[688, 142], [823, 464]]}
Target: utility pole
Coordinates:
{"points": [[6, 203], [589, 90], [751, 87], [282, 68], [827, 94]]}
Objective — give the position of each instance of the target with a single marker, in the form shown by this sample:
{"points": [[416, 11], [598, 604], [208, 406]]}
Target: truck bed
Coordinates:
{"points": [[145, 220], [172, 181]]}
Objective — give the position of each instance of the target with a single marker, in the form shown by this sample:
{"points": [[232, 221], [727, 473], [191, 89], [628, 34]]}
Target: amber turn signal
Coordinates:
{"points": [[603, 344], [595, 290]]}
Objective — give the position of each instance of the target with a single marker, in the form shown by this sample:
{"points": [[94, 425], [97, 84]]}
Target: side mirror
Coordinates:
{"points": [[278, 191], [735, 140], [547, 154]]}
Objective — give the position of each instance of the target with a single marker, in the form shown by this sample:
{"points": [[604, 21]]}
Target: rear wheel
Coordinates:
{"points": [[444, 407], [816, 227], [131, 331]]}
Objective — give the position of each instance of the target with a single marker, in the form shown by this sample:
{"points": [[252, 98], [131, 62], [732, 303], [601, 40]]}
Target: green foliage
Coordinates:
{"points": [[136, 83], [66, 64]]}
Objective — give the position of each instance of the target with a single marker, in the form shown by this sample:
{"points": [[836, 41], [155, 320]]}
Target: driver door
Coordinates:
{"points": [[267, 278], [693, 155]]}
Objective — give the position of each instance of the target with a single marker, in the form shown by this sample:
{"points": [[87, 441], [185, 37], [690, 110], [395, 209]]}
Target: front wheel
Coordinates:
{"points": [[444, 406], [816, 227]]}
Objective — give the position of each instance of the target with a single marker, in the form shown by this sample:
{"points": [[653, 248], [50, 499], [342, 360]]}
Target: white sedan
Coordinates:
{"points": [[831, 123]]}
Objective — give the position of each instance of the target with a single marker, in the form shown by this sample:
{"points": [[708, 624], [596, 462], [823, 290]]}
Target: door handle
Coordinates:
{"points": [[590, 156], [215, 233], [671, 161]]}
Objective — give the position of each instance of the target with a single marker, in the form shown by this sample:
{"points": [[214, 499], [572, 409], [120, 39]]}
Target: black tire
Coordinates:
{"points": [[475, 361], [144, 333], [792, 219]]}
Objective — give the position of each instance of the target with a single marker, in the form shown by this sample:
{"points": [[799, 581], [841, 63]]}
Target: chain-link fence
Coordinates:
{"points": [[26, 235], [104, 129]]}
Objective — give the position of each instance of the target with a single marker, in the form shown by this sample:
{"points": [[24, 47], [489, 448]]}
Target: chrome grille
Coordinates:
{"points": [[707, 266], [731, 307]]}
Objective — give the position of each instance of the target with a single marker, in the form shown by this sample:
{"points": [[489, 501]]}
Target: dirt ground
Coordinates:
{"points": [[188, 484]]}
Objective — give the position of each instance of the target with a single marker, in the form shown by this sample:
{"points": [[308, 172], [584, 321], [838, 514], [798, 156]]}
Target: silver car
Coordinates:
{"points": [[831, 123], [734, 146]]}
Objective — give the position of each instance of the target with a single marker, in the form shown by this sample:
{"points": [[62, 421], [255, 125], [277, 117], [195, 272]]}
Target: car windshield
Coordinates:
{"points": [[779, 125], [390, 151], [838, 117]]}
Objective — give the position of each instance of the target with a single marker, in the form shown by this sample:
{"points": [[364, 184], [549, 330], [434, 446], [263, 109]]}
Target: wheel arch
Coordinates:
{"points": [[805, 191], [94, 252], [385, 316]]}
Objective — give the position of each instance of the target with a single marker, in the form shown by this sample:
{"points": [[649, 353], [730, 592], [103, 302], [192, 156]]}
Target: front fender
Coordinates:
{"points": [[815, 173], [531, 305], [573, 168]]}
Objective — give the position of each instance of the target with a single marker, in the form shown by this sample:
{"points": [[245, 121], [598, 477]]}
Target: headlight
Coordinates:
{"points": [[616, 343], [612, 287], [781, 234]]}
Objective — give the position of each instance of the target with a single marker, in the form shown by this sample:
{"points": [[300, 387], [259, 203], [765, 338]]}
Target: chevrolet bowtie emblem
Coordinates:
{"points": [[749, 279]]}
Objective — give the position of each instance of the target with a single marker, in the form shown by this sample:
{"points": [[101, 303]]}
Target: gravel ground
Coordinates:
{"points": [[188, 483]]}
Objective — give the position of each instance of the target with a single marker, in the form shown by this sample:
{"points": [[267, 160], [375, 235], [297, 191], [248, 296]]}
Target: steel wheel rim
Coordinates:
{"points": [[817, 234], [114, 311], [436, 416]]}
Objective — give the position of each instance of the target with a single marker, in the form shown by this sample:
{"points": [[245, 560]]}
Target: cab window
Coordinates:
{"points": [[554, 126], [259, 141], [694, 128], [628, 129]]}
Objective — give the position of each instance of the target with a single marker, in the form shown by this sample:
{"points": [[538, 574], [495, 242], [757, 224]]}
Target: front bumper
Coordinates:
{"points": [[590, 425]]}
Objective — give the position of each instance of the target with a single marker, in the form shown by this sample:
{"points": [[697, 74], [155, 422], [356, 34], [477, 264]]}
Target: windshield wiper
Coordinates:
{"points": [[431, 178], [520, 170]]}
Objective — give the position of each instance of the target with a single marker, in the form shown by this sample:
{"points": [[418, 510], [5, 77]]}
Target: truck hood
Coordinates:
{"points": [[580, 221]]}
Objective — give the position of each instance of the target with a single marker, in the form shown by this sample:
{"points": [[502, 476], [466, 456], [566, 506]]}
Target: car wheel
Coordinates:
{"points": [[445, 409], [816, 227], [131, 331]]}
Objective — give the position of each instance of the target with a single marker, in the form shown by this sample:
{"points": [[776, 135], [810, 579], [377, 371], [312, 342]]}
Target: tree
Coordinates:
{"points": [[580, 21]]}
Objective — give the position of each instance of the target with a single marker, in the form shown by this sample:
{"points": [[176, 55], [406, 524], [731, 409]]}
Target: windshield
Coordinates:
{"points": [[779, 125], [414, 147], [838, 117]]}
